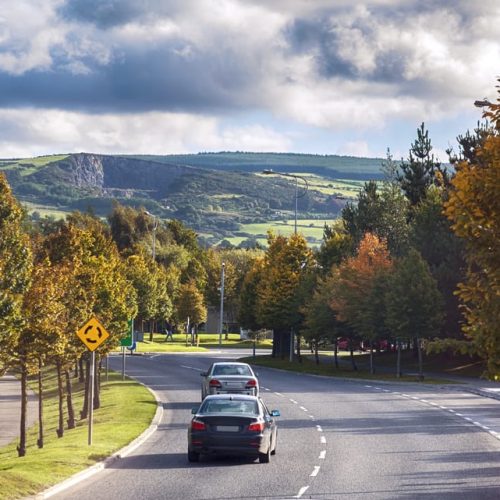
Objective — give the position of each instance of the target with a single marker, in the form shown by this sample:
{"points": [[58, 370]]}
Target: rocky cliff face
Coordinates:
{"points": [[114, 174], [86, 171]]}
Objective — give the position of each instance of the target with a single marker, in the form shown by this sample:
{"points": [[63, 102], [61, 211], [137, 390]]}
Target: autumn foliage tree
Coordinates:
{"points": [[355, 292], [278, 297], [474, 209]]}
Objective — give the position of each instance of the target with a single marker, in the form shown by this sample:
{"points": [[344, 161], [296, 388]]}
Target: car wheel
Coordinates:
{"points": [[193, 456], [264, 458]]}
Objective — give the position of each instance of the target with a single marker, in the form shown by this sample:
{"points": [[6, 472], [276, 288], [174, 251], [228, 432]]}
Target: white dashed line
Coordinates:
{"points": [[315, 471], [311, 417], [278, 394], [302, 491], [323, 440], [192, 368], [293, 401], [319, 428], [303, 409], [444, 408], [322, 455]]}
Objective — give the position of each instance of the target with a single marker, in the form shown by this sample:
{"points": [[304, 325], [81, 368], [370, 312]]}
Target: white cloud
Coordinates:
{"points": [[30, 132]]}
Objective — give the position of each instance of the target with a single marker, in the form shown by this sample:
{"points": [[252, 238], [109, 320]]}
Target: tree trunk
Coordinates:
{"points": [[69, 401], [316, 351], [299, 354], [151, 330], [398, 362], [372, 371], [40, 405], [21, 449], [75, 371], [351, 349], [336, 353], [81, 377], [85, 409], [276, 344], [97, 384], [60, 390], [420, 363]]}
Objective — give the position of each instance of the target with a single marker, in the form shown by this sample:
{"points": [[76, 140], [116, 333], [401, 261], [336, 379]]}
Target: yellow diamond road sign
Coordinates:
{"points": [[92, 334]]}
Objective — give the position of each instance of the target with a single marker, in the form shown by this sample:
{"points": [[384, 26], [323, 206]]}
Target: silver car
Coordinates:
{"points": [[229, 378]]}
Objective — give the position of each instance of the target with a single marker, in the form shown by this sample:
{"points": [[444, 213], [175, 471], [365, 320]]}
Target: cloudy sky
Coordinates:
{"points": [[174, 76]]}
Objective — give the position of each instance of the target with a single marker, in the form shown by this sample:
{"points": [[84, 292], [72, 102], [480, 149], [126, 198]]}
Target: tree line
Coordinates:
{"points": [[415, 259]]}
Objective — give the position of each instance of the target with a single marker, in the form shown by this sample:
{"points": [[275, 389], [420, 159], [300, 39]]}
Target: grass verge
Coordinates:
{"points": [[127, 409], [328, 369], [206, 340]]}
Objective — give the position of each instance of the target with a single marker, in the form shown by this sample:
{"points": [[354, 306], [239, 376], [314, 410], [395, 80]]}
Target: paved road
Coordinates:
{"points": [[337, 440]]}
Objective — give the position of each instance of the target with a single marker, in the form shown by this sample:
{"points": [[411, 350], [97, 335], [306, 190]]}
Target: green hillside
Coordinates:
{"points": [[222, 196]]}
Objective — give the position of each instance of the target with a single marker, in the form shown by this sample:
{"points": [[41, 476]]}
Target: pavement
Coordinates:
{"points": [[10, 409]]}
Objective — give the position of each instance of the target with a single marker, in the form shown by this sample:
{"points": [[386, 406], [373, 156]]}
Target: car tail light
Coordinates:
{"points": [[256, 427], [251, 383], [198, 425], [215, 383]]}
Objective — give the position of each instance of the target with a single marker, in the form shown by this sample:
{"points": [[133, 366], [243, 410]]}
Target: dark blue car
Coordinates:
{"points": [[229, 424]]}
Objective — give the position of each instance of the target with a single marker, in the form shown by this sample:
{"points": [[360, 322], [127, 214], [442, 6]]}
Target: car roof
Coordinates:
{"points": [[241, 397], [231, 363]]}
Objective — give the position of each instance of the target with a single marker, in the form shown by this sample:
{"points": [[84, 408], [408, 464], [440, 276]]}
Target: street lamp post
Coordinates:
{"points": [[297, 196], [221, 319], [155, 227]]}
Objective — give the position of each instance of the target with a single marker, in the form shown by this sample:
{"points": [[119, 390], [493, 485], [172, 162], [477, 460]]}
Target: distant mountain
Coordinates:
{"points": [[214, 193], [326, 165]]}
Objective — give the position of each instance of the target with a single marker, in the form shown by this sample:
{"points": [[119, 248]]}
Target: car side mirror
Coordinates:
{"points": [[275, 413], [194, 411]]}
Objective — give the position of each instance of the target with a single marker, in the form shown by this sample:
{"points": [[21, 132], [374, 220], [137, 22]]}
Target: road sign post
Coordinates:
{"points": [[92, 334]]}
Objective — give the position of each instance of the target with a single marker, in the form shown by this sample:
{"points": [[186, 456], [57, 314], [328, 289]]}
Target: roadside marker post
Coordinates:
{"points": [[128, 341], [92, 334]]}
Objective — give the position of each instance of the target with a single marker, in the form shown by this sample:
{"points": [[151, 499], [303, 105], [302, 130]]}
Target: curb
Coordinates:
{"points": [[99, 466]]}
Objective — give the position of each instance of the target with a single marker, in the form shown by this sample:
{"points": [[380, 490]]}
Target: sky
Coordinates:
{"points": [[185, 76]]}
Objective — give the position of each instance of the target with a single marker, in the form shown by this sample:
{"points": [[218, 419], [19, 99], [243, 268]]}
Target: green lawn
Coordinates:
{"points": [[206, 340], [308, 365], [127, 409]]}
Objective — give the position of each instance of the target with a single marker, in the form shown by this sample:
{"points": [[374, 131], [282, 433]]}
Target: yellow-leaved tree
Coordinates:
{"points": [[474, 209]]}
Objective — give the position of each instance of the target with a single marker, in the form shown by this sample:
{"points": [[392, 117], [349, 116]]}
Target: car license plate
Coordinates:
{"points": [[227, 428], [233, 384]]}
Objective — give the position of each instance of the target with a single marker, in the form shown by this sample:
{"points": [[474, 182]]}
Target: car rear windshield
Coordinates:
{"points": [[230, 406], [231, 370]]}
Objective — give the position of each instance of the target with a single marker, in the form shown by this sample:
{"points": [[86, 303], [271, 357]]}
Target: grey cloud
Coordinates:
{"points": [[110, 13], [139, 80], [323, 35]]}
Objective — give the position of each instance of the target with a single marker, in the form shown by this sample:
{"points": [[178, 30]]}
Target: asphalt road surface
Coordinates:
{"points": [[337, 440]]}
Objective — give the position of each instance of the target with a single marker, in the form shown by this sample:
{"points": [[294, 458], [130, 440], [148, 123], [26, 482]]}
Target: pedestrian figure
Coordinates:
{"points": [[168, 331]]}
